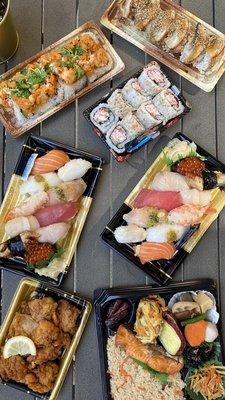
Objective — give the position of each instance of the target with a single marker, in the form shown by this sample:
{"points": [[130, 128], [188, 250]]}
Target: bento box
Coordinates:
{"points": [[169, 210], [137, 111], [172, 35], [43, 213], [41, 365], [160, 342], [47, 82]]}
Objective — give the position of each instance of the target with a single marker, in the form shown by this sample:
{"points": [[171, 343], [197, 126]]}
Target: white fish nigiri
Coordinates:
{"points": [[29, 206], [40, 183], [188, 214], [19, 225], [138, 216], [74, 169], [53, 233], [66, 192], [129, 234], [197, 197], [169, 181], [165, 233]]}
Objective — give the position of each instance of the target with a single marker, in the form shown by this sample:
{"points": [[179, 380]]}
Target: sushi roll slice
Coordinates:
{"points": [[148, 115], [153, 80], [160, 26], [132, 125], [103, 117], [133, 93], [117, 137], [168, 104], [119, 106], [177, 33], [195, 45], [211, 56]]}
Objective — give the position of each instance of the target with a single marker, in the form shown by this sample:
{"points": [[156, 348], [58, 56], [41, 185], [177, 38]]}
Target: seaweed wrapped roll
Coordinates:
{"points": [[103, 117]]}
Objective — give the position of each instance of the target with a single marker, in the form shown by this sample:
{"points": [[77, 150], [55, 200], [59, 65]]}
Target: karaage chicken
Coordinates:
{"points": [[22, 324], [67, 316]]}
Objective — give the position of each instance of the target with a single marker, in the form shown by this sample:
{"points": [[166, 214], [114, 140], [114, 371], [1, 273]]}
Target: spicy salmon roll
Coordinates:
{"points": [[148, 115], [168, 104], [117, 137], [103, 117], [131, 123], [153, 80], [119, 106], [133, 93]]}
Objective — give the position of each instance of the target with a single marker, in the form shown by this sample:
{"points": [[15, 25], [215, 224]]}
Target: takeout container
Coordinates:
{"points": [[104, 297], [162, 271], [6, 119], [136, 144], [12, 197], [24, 291], [205, 82], [9, 38]]}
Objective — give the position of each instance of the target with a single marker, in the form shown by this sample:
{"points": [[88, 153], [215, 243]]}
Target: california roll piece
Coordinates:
{"points": [[133, 93], [132, 125], [129, 234], [148, 115], [165, 233], [119, 106], [153, 80], [103, 117], [168, 104], [117, 137]]}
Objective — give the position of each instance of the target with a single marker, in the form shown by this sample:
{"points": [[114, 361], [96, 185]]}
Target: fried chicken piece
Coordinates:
{"points": [[42, 309], [46, 333], [67, 315], [42, 378], [22, 324], [14, 368]]}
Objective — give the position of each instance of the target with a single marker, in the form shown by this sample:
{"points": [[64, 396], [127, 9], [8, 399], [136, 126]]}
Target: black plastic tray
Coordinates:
{"points": [[139, 142], [40, 145], [160, 271], [103, 297]]}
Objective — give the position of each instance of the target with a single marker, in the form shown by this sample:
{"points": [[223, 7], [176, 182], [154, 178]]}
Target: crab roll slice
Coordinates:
{"points": [[168, 104], [133, 93], [117, 137], [119, 106], [103, 117], [132, 125], [148, 115], [153, 80]]}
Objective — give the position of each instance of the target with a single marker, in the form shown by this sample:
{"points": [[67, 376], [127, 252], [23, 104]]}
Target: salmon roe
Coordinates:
{"points": [[37, 252], [191, 166]]}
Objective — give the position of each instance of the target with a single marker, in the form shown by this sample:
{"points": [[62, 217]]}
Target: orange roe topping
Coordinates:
{"points": [[191, 166]]}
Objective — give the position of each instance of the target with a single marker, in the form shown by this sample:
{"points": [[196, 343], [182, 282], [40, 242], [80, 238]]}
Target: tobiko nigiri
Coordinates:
{"points": [[28, 207], [145, 217], [57, 213], [188, 214], [66, 192], [52, 233], [129, 234], [152, 251], [170, 181], [165, 200], [74, 169], [50, 162], [21, 224]]}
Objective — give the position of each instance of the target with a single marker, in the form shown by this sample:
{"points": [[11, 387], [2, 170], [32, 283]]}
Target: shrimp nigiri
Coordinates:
{"points": [[66, 192], [57, 213], [169, 181], [39, 183], [151, 251], [50, 162], [29, 206], [74, 169], [188, 214], [52, 233], [21, 224]]}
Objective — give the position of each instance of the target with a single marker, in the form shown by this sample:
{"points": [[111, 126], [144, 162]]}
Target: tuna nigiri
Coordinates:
{"points": [[165, 233], [50, 162], [151, 251], [188, 214], [129, 234], [52, 233], [66, 192], [28, 207], [21, 224], [170, 181], [39, 183], [145, 217], [74, 169], [152, 198], [57, 213]]}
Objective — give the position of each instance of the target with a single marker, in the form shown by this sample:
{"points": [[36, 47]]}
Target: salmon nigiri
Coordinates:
{"points": [[151, 251], [50, 162]]}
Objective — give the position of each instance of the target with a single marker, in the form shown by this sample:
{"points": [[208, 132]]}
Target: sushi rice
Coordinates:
{"points": [[103, 117], [133, 93], [118, 104]]}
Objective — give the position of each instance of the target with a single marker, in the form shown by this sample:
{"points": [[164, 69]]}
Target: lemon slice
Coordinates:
{"points": [[21, 345]]}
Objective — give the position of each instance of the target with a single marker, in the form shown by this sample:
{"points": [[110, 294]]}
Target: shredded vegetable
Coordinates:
{"points": [[208, 381]]}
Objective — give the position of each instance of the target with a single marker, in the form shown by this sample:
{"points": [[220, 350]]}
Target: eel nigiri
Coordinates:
{"points": [[21, 224], [147, 354], [170, 181], [165, 233], [39, 183], [145, 217], [152, 251], [196, 197], [50, 162], [66, 192], [28, 207], [52, 233], [188, 214], [74, 169], [129, 234], [57, 213], [165, 200]]}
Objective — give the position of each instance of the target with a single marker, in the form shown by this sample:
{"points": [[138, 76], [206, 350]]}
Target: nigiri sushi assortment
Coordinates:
{"points": [[173, 204], [141, 106], [51, 198]]}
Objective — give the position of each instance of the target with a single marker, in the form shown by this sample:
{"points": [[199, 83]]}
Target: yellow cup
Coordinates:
{"points": [[9, 38]]}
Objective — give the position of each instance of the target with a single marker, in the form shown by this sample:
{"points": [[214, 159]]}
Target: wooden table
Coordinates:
{"points": [[40, 23]]}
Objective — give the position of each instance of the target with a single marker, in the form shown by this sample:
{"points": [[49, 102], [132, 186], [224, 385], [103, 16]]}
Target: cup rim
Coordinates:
{"points": [[6, 12]]}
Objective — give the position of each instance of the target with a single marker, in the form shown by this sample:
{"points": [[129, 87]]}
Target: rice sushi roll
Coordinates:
{"points": [[103, 117], [148, 115], [132, 125], [168, 104], [153, 80], [117, 137], [133, 93], [119, 106]]}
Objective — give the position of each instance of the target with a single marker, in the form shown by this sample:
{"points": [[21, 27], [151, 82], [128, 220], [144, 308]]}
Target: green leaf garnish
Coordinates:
{"points": [[79, 72], [38, 75], [72, 51], [162, 377]]}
